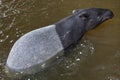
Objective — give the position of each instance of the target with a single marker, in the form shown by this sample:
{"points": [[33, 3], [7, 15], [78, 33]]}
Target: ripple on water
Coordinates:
{"points": [[71, 64], [8, 14], [4, 38], [112, 78]]}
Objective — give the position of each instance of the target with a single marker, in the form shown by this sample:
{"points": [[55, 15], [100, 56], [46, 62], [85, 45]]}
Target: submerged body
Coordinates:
{"points": [[37, 47]]}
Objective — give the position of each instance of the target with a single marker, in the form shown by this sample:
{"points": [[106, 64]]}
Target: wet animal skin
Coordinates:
{"points": [[35, 48]]}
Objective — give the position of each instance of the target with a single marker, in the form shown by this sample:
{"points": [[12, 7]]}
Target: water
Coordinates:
{"points": [[96, 57]]}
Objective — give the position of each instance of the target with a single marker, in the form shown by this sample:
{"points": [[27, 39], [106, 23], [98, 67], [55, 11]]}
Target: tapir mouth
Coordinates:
{"points": [[107, 15]]}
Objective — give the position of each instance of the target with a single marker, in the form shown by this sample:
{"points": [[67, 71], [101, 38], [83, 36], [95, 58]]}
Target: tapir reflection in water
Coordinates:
{"points": [[37, 47]]}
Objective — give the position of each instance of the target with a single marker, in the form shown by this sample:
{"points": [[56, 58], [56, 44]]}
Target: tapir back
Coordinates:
{"points": [[36, 47]]}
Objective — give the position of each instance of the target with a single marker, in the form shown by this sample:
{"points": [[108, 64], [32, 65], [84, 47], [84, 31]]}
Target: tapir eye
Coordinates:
{"points": [[84, 16], [99, 13]]}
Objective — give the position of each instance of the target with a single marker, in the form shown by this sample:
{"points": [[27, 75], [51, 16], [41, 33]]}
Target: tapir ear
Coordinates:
{"points": [[75, 11], [84, 16]]}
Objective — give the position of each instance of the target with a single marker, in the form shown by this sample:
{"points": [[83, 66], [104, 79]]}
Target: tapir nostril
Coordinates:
{"points": [[108, 15], [111, 14]]}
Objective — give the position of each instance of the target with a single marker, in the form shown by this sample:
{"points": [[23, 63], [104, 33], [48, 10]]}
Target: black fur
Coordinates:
{"points": [[72, 28]]}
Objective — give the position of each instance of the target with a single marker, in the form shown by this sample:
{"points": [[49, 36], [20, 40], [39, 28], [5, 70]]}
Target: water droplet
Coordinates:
{"points": [[7, 36], [57, 57], [18, 35], [67, 66], [11, 41], [73, 11], [16, 73], [1, 40], [80, 52], [28, 78], [43, 65], [78, 59], [73, 63], [1, 32], [21, 72], [82, 45]]}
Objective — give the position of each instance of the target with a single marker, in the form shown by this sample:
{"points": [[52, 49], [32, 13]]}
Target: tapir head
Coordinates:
{"points": [[93, 16]]}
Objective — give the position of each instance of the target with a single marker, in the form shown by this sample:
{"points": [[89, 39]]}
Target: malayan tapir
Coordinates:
{"points": [[35, 48]]}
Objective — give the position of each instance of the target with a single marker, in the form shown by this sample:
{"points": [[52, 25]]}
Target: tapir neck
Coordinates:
{"points": [[70, 30]]}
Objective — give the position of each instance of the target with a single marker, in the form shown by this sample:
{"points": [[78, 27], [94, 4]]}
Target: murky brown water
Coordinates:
{"points": [[96, 57]]}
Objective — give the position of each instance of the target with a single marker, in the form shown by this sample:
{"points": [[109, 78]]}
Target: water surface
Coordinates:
{"points": [[96, 57]]}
